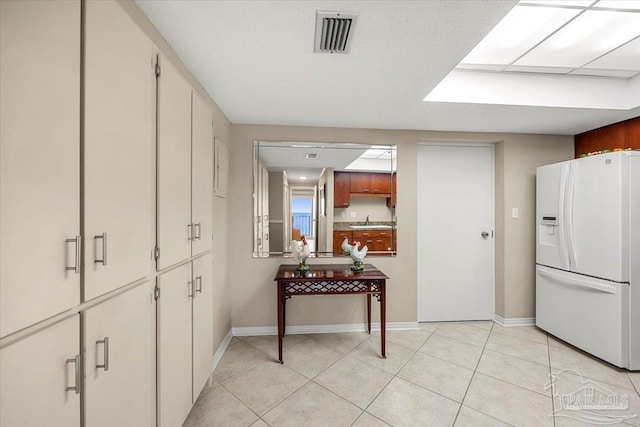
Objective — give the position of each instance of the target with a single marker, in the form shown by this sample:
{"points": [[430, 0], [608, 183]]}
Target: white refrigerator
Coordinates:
{"points": [[588, 255]]}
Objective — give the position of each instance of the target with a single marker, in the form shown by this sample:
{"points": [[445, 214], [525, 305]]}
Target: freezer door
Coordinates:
{"points": [[589, 313], [550, 201], [596, 212]]}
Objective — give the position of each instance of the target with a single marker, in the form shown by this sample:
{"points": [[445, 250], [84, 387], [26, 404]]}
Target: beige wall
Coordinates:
{"points": [[244, 287], [253, 291], [253, 288], [221, 129], [523, 153]]}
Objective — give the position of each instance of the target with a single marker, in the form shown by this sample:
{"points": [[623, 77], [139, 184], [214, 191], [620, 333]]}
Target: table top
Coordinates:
{"points": [[328, 272]]}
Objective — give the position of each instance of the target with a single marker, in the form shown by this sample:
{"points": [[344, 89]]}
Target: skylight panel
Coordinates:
{"points": [[619, 4], [590, 35], [571, 3], [626, 57], [519, 31]]}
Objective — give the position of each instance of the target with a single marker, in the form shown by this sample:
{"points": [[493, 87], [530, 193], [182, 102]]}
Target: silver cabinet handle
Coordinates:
{"points": [[197, 227], [105, 353], [103, 237], [76, 387], [199, 284], [78, 242], [191, 293], [190, 231]]}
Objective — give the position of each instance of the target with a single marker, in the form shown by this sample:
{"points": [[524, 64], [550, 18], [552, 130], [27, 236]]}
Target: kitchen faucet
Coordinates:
{"points": [[367, 222]]}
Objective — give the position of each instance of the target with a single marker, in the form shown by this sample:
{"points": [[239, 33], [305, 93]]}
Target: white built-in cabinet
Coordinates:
{"points": [[39, 161], [202, 175], [174, 166], [202, 323], [92, 160], [119, 114], [119, 352], [40, 378], [185, 342], [185, 169]]}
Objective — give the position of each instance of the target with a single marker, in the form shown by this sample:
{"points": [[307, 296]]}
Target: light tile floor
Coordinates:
{"points": [[446, 374]]}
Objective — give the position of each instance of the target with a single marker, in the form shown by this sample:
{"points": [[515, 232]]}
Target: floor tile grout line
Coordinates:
{"points": [[551, 387], [394, 376], [371, 415], [464, 396], [240, 373], [518, 357], [634, 384], [520, 337]]}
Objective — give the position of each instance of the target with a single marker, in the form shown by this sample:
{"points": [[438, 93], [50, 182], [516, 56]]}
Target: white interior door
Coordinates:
{"points": [[455, 209]]}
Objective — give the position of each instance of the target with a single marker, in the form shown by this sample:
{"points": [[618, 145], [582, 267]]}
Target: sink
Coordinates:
{"points": [[371, 227]]}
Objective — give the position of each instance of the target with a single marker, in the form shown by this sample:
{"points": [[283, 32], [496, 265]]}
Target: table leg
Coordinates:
{"points": [[280, 318], [369, 313], [383, 316]]}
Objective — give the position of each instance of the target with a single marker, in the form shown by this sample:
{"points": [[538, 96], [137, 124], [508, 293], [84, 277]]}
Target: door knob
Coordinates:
{"points": [[484, 234]]}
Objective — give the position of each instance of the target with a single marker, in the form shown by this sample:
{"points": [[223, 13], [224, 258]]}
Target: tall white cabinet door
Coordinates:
{"points": [[119, 345], [119, 111], [39, 159], [202, 323], [35, 374], [174, 166], [202, 175], [174, 346]]}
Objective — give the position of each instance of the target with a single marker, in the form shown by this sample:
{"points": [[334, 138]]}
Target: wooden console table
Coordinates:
{"points": [[333, 279]]}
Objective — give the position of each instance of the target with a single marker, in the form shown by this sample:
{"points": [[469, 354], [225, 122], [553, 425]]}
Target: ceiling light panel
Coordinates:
{"points": [[570, 3], [626, 57], [519, 31], [604, 73], [619, 4], [590, 35]]}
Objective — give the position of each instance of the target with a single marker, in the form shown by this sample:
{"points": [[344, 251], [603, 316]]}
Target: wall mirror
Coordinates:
{"points": [[326, 192]]}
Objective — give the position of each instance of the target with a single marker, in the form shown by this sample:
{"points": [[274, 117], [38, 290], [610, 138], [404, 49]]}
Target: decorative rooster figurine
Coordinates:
{"points": [[300, 251], [358, 256], [346, 247]]}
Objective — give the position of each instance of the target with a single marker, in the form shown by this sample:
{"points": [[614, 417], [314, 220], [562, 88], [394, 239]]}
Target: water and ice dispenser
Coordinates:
{"points": [[548, 233]]}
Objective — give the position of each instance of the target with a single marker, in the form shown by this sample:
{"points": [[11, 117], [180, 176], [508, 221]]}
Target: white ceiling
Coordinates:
{"points": [[256, 60]]}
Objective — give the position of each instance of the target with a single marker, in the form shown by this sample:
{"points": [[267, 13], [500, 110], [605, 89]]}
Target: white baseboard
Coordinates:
{"points": [[514, 321], [322, 329], [222, 348]]}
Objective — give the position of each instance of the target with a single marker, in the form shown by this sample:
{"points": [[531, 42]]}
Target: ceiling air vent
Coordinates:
{"points": [[334, 31]]}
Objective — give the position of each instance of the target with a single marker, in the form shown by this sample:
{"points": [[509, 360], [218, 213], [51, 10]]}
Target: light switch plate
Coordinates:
{"points": [[353, 214], [514, 213]]}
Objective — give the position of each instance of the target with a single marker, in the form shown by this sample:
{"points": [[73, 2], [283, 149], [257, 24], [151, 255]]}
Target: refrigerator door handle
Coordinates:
{"points": [[562, 238], [585, 282], [571, 186]]}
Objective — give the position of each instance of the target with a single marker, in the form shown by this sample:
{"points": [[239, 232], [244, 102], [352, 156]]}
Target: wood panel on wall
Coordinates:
{"points": [[619, 135]]}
